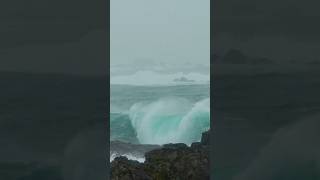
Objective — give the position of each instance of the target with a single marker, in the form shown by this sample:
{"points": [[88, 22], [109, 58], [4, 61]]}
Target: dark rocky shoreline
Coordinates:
{"points": [[119, 148], [172, 161]]}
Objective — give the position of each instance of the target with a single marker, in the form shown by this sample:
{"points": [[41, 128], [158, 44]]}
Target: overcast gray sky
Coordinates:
{"points": [[172, 35]]}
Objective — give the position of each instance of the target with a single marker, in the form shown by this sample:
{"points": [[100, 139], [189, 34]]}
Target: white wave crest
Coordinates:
{"points": [[171, 120], [148, 78], [129, 156]]}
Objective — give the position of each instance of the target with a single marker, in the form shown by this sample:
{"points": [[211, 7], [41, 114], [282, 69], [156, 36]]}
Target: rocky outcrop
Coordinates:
{"points": [[124, 169], [125, 148], [172, 161], [118, 148], [205, 138]]}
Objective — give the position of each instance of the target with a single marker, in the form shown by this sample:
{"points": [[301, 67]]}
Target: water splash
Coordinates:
{"points": [[129, 156], [170, 120]]}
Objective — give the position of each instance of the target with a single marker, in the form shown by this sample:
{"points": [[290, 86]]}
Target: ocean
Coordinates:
{"points": [[159, 114]]}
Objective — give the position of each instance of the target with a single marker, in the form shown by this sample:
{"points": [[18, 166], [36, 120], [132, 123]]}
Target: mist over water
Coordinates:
{"points": [[149, 78]]}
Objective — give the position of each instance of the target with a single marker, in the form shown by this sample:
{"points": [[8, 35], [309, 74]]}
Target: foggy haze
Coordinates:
{"points": [[168, 36]]}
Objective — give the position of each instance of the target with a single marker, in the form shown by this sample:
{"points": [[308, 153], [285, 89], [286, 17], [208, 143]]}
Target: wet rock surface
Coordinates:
{"points": [[137, 150], [172, 161]]}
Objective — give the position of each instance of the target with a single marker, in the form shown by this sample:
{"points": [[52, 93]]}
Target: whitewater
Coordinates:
{"points": [[170, 120], [158, 114], [152, 78]]}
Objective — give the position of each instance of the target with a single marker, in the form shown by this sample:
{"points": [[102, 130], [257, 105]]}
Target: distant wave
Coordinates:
{"points": [[170, 120], [154, 78]]}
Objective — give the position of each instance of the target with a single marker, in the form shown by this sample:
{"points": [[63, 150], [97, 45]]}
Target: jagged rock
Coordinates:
{"points": [[172, 161], [175, 146], [124, 169], [205, 138], [137, 150], [196, 145]]}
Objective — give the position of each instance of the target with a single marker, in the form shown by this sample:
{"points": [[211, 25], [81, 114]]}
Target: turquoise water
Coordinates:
{"points": [[159, 115]]}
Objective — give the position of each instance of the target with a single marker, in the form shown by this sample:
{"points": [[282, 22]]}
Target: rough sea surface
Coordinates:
{"points": [[159, 114]]}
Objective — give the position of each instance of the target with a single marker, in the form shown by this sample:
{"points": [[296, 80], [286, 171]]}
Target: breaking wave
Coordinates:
{"points": [[170, 120]]}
